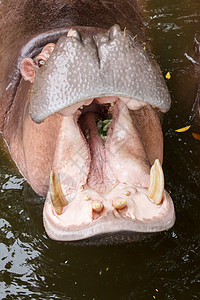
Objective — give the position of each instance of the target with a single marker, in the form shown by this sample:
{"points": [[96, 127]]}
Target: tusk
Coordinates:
{"points": [[119, 203], [97, 206], [56, 194], [156, 186]]}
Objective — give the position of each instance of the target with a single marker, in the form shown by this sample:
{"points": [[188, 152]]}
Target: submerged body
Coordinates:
{"points": [[73, 79]]}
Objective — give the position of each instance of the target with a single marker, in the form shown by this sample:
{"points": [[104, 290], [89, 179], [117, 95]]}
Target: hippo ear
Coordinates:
{"points": [[27, 69]]}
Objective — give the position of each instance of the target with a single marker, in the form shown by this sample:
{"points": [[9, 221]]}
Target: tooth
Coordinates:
{"points": [[127, 193], [119, 203], [156, 186], [97, 206], [56, 194]]}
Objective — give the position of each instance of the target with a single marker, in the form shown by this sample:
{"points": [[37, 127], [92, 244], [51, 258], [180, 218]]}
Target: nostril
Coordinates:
{"points": [[113, 31], [75, 34]]}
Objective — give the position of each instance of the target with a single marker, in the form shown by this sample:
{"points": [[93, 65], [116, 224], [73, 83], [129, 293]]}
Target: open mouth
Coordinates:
{"points": [[106, 173], [111, 180]]}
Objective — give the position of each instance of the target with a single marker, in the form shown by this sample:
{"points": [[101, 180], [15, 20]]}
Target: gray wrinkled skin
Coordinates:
{"points": [[79, 68]]}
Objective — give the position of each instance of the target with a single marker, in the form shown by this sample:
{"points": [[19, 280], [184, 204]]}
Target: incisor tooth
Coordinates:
{"points": [[56, 194], [119, 203], [97, 206], [156, 186]]}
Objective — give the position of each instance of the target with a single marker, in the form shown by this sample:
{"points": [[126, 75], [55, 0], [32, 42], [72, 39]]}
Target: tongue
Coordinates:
{"points": [[100, 176], [100, 165]]}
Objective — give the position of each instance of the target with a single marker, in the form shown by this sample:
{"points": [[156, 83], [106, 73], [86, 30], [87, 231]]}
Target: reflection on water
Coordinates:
{"points": [[163, 267]]}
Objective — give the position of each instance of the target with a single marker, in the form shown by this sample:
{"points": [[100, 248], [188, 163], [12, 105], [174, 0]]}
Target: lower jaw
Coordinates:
{"points": [[58, 228]]}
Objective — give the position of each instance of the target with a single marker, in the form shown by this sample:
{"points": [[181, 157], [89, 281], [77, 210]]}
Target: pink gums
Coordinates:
{"points": [[94, 170]]}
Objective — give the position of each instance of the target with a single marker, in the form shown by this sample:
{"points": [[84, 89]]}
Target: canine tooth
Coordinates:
{"points": [[56, 194], [97, 206], [119, 203], [86, 198], [113, 103], [156, 185]]}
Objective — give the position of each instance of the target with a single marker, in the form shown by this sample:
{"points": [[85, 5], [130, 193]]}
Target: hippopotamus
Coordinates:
{"points": [[81, 97]]}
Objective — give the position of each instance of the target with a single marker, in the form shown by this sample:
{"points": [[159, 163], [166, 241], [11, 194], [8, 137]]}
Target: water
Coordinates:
{"points": [[166, 266]]}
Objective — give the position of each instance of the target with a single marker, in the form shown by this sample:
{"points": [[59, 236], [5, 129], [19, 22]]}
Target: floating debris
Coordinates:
{"points": [[196, 136], [183, 129], [168, 75]]}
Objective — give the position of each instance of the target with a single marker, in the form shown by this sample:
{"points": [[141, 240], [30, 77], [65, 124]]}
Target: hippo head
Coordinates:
{"points": [[92, 141]]}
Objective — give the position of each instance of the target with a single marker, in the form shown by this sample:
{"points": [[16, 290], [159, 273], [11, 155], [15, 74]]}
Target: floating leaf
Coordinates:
{"points": [[196, 135], [168, 75], [183, 129]]}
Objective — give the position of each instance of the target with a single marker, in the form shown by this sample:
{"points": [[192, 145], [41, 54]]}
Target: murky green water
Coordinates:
{"points": [[166, 266]]}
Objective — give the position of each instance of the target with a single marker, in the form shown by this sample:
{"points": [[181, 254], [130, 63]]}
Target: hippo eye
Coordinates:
{"points": [[41, 62]]}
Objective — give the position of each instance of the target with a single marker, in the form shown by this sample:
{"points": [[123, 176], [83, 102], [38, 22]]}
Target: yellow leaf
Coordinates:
{"points": [[196, 135], [168, 75], [183, 129]]}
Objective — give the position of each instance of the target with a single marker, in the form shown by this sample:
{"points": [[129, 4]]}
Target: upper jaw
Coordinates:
{"points": [[110, 64]]}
